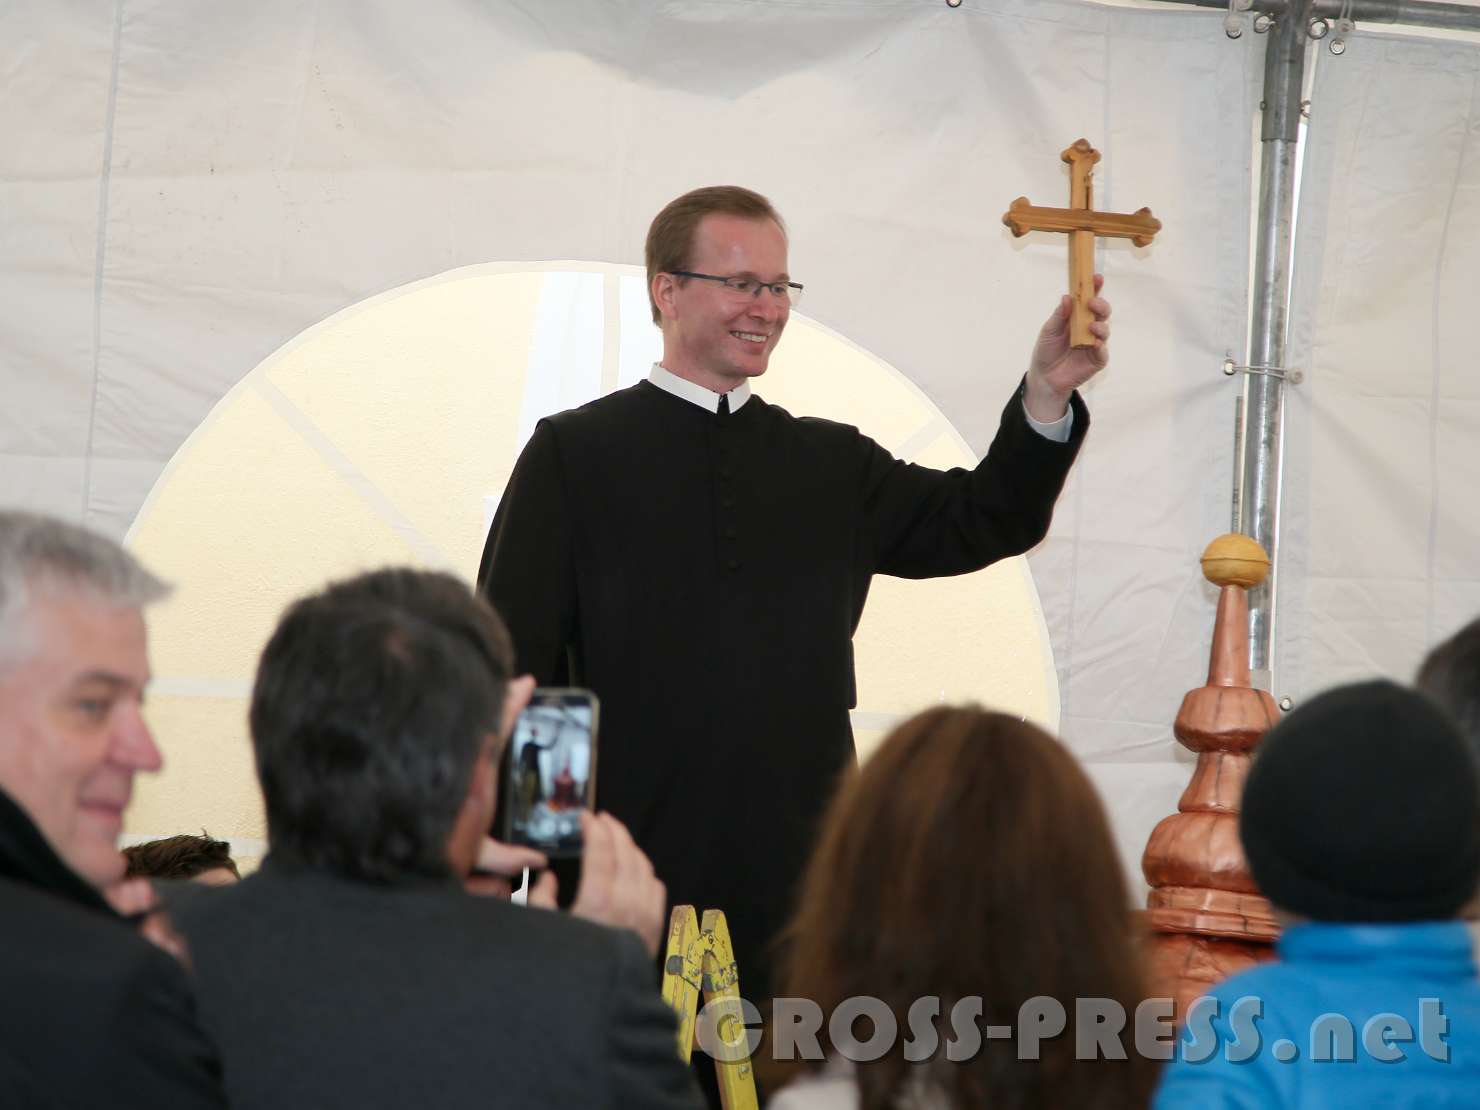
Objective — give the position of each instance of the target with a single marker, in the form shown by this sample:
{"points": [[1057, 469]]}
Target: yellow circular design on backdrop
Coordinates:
{"points": [[385, 434]]}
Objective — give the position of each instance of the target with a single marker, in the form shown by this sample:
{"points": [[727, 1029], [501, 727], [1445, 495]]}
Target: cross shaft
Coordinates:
{"points": [[1082, 224]]}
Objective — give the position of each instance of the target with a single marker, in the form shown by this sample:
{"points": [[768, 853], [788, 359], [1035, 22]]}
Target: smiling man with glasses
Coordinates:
{"points": [[700, 558]]}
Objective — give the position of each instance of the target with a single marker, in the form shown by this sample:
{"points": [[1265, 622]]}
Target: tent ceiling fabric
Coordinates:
{"points": [[185, 188]]}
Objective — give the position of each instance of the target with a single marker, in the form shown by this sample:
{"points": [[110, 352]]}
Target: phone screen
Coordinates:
{"points": [[549, 772]]}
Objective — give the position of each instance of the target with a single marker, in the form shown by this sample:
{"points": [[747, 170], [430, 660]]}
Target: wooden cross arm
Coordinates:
{"points": [[1139, 227]]}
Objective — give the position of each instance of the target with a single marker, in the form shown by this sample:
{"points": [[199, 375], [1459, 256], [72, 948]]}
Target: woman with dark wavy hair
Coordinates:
{"points": [[969, 857]]}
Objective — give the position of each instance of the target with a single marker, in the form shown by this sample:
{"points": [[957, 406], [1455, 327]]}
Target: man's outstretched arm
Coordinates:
{"points": [[923, 523]]}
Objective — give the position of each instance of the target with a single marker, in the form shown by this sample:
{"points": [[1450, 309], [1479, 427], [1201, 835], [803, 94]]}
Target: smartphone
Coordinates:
{"points": [[549, 772]]}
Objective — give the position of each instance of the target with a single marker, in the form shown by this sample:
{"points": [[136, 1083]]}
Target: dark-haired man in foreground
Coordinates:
{"points": [[354, 969]]}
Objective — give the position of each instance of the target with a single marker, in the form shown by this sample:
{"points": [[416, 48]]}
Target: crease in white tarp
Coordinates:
{"points": [[352, 476], [1435, 399], [101, 255]]}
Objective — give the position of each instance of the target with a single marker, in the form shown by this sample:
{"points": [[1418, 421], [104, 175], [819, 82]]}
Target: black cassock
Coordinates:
{"points": [[703, 573]]}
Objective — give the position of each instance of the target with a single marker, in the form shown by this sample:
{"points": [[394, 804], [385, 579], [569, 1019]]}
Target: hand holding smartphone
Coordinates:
{"points": [[548, 777]]}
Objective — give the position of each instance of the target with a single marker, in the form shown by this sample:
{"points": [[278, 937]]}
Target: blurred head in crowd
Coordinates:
{"points": [[1363, 805], [73, 668], [970, 855], [202, 858], [377, 721], [1451, 676]]}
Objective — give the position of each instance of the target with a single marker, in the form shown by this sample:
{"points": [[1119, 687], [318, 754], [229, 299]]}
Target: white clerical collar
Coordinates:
{"points": [[694, 393]]}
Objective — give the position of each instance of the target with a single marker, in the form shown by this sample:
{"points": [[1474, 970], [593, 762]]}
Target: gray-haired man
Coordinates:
{"points": [[91, 1014]]}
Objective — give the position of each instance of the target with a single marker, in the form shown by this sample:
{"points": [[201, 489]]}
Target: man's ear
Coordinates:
{"points": [[663, 288], [516, 697], [483, 788], [475, 815]]}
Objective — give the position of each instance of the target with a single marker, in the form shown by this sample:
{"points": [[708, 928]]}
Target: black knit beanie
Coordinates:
{"points": [[1364, 805]]}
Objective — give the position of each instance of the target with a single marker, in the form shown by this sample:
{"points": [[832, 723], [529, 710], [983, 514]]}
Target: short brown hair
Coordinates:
{"points": [[670, 239], [179, 857], [970, 856]]}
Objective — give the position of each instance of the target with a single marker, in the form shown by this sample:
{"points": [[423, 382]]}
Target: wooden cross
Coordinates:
{"points": [[1082, 223]]}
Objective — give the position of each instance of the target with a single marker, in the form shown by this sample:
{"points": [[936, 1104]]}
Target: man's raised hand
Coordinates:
{"points": [[1056, 369], [618, 886]]}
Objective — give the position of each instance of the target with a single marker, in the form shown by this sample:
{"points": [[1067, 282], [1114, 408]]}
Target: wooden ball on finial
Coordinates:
{"points": [[1235, 560]]}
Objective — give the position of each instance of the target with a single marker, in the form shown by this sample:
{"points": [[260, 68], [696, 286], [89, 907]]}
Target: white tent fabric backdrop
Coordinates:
{"points": [[1381, 539], [183, 188]]}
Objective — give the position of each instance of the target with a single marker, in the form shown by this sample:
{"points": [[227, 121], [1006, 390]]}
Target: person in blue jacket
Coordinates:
{"points": [[1361, 823]]}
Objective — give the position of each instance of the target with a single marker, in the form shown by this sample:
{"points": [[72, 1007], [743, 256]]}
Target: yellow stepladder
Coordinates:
{"points": [[700, 960]]}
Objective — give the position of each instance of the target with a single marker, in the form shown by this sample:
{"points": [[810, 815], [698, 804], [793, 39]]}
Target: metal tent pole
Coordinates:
{"points": [[1263, 402], [1412, 13], [1261, 421]]}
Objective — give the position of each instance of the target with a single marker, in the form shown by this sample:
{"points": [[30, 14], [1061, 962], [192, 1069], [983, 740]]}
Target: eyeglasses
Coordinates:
{"points": [[788, 293]]}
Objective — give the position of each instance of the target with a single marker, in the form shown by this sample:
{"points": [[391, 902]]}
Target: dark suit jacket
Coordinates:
{"points": [[327, 992], [90, 1013], [704, 575]]}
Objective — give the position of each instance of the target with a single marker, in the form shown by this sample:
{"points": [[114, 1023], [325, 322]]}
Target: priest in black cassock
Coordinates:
{"points": [[700, 559]]}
